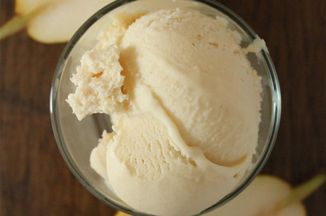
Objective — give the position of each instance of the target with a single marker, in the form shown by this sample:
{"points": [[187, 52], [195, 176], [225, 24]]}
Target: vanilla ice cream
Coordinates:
{"points": [[185, 107]]}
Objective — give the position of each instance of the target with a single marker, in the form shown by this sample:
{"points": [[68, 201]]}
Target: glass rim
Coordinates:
{"points": [[275, 112]]}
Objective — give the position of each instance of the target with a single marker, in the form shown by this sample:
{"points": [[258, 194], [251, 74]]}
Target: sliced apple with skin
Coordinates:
{"points": [[268, 196], [61, 19], [18, 22], [259, 198], [55, 23]]}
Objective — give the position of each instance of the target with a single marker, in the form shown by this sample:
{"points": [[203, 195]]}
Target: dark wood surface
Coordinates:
{"points": [[34, 179]]}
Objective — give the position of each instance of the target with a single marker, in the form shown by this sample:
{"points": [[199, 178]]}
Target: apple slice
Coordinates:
{"points": [[260, 197], [19, 22], [55, 23], [268, 196], [59, 21]]}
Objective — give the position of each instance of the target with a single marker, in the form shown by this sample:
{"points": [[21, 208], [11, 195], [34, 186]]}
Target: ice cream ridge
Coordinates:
{"points": [[184, 102]]}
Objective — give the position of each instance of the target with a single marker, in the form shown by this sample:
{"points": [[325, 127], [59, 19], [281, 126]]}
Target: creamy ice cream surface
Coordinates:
{"points": [[185, 107]]}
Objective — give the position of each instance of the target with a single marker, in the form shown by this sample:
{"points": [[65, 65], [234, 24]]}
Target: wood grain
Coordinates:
{"points": [[34, 179]]}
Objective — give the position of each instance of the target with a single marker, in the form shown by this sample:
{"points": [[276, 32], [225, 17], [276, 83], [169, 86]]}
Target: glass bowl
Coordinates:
{"points": [[76, 139]]}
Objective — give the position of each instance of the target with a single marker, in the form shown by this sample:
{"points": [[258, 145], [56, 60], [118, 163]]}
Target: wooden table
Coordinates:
{"points": [[34, 179]]}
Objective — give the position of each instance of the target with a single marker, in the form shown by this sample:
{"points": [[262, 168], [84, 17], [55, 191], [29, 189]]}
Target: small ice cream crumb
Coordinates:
{"points": [[256, 46]]}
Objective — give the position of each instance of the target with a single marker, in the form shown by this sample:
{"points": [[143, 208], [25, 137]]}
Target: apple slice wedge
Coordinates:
{"points": [[61, 19], [55, 23], [20, 21], [268, 196], [259, 198]]}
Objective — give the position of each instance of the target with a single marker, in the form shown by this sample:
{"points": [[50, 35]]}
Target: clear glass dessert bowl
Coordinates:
{"points": [[76, 139]]}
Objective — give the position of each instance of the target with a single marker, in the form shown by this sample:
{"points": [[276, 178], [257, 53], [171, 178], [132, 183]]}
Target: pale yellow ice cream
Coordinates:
{"points": [[185, 107]]}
